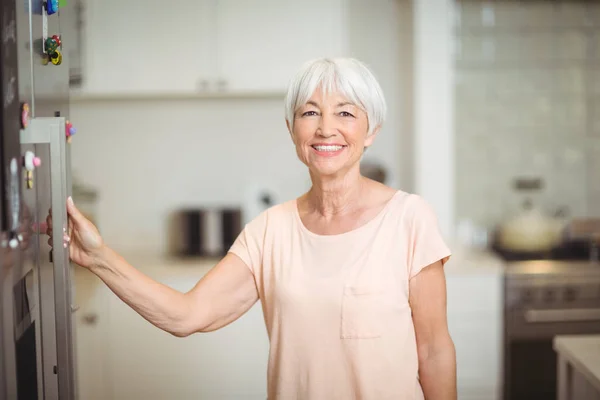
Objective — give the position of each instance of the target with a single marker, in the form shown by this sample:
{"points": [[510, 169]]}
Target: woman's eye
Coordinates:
{"points": [[346, 114], [309, 113]]}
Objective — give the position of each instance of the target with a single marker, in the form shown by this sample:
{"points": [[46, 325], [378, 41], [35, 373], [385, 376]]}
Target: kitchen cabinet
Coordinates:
{"points": [[205, 47], [475, 323], [578, 369], [147, 46], [148, 363], [90, 322], [260, 47], [121, 356]]}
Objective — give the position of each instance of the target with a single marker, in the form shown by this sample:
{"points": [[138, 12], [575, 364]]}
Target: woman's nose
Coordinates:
{"points": [[326, 127], [325, 133]]}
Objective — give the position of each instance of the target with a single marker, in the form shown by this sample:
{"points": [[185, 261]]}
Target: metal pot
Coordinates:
{"points": [[530, 231]]}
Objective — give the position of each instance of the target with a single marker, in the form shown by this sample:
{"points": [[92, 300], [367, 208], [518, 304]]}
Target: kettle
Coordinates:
{"points": [[530, 231]]}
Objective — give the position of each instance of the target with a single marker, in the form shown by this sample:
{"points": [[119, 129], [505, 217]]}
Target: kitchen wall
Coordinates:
{"points": [[527, 104], [149, 157]]}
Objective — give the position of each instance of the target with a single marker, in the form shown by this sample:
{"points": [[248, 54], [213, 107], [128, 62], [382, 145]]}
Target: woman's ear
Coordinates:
{"points": [[371, 138], [289, 128]]}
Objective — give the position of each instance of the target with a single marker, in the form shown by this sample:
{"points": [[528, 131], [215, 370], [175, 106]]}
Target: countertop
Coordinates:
{"points": [[471, 260], [583, 353]]}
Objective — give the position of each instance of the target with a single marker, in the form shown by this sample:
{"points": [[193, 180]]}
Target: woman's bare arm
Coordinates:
{"points": [[437, 357], [223, 295]]}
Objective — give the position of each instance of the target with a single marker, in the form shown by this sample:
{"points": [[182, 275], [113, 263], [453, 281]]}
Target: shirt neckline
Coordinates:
{"points": [[364, 226]]}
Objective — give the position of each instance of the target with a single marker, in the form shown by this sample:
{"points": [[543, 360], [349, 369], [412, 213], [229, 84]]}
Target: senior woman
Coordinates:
{"points": [[350, 275]]}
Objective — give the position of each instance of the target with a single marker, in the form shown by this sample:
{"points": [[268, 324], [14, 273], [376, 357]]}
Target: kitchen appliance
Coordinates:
{"points": [[260, 196], [546, 294], [36, 348], [530, 230], [205, 232]]}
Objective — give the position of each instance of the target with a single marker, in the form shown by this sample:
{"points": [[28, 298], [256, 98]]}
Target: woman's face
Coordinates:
{"points": [[330, 134]]}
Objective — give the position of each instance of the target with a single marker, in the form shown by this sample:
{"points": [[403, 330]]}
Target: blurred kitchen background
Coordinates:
{"points": [[494, 118]]}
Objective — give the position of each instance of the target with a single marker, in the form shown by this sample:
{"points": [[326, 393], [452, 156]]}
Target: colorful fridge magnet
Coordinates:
{"points": [[24, 115], [30, 162], [52, 44], [69, 131], [51, 6], [51, 50]]}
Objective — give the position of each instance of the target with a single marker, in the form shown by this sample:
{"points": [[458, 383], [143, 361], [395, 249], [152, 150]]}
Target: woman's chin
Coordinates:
{"points": [[327, 170]]}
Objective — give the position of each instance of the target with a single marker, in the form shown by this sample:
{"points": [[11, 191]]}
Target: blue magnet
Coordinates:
{"points": [[51, 6]]}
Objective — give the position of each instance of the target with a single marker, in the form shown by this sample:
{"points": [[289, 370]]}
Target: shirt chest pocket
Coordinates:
{"points": [[363, 312]]}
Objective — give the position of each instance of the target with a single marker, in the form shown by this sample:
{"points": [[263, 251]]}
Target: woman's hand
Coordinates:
{"points": [[86, 242]]}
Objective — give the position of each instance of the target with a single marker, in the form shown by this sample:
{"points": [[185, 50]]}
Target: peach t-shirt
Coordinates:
{"points": [[336, 306]]}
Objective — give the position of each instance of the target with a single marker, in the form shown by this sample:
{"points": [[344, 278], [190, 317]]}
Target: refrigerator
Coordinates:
{"points": [[37, 358]]}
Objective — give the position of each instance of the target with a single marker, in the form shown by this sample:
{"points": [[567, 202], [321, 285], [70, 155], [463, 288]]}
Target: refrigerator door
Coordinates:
{"points": [[36, 343], [52, 187], [46, 134], [36, 346]]}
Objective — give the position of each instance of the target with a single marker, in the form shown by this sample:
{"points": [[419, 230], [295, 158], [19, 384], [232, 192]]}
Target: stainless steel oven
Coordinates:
{"points": [[544, 298]]}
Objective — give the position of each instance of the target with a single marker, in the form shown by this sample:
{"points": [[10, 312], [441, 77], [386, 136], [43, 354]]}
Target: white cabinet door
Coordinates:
{"points": [[477, 342], [478, 394], [148, 46], [475, 322], [261, 46], [90, 336], [150, 364]]}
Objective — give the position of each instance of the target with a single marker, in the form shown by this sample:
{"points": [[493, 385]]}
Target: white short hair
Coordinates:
{"points": [[350, 77]]}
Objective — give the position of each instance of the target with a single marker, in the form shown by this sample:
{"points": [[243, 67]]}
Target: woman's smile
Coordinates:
{"points": [[328, 150]]}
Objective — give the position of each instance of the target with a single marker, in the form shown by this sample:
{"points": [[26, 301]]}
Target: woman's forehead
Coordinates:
{"points": [[320, 97]]}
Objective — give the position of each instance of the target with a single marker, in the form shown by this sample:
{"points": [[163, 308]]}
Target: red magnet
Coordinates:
{"points": [[69, 131], [24, 115]]}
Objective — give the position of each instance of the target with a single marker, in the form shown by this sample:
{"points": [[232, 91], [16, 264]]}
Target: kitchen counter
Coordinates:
{"points": [[580, 354], [469, 260]]}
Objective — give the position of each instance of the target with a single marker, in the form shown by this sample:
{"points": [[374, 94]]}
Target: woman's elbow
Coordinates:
{"points": [[180, 333], [188, 322], [180, 329], [185, 330]]}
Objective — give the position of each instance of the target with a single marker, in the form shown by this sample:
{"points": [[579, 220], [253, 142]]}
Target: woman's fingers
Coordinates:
{"points": [[66, 241]]}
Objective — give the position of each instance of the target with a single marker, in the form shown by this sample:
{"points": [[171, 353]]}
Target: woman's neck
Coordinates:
{"points": [[334, 196]]}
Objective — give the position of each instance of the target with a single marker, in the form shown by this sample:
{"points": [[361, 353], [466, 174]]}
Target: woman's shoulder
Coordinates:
{"points": [[411, 205]]}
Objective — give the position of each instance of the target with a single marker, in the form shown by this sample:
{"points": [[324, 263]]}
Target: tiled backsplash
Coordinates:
{"points": [[527, 104]]}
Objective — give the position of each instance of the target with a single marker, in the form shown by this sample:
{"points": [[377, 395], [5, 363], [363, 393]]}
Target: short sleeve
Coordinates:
{"points": [[249, 244], [426, 244]]}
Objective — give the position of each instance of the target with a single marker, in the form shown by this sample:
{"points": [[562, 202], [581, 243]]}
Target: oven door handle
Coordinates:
{"points": [[566, 315]]}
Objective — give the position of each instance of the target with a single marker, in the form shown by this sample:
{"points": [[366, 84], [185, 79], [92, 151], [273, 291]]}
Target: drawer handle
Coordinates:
{"points": [[574, 314], [90, 319]]}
